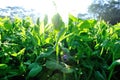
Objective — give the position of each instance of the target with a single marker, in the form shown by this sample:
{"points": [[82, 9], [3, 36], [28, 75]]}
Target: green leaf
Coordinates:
{"points": [[65, 36], [35, 69], [73, 18], [99, 76], [57, 22], [22, 68], [21, 51], [14, 54], [27, 22], [36, 29], [8, 24], [67, 70], [45, 19], [46, 53], [12, 73], [38, 21], [84, 36], [53, 65], [85, 25], [42, 28], [61, 35], [3, 66], [32, 65], [116, 62], [116, 50], [117, 26]]}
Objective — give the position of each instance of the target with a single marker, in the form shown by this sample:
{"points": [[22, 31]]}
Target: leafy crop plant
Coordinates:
{"points": [[79, 50]]}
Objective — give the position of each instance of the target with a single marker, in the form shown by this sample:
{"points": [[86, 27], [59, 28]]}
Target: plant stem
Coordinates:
{"points": [[90, 73], [111, 72], [110, 75], [57, 52], [102, 51], [64, 76]]}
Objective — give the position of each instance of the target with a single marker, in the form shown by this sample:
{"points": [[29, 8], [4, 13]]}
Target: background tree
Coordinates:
{"points": [[108, 10]]}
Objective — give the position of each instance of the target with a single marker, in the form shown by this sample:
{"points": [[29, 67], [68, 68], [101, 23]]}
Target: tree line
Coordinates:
{"points": [[108, 10]]}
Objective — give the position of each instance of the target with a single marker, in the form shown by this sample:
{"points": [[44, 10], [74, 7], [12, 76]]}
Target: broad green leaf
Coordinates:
{"points": [[38, 21], [117, 26], [61, 35], [99, 76], [27, 22], [67, 70], [36, 29], [106, 43], [47, 53], [65, 36], [73, 18], [21, 51], [116, 62], [116, 50], [23, 33], [35, 70], [85, 36], [14, 54], [32, 65], [85, 25], [1, 24], [53, 65], [47, 40], [92, 22], [57, 22], [12, 73], [35, 38], [8, 24], [42, 28], [45, 19], [110, 30], [3, 66], [65, 50]]}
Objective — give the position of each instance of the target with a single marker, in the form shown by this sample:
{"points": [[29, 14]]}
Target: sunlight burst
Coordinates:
{"points": [[50, 7]]}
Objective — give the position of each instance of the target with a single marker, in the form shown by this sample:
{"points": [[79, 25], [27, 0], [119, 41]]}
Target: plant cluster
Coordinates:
{"points": [[79, 50]]}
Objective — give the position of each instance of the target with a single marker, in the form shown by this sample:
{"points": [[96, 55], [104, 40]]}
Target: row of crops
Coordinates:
{"points": [[79, 50]]}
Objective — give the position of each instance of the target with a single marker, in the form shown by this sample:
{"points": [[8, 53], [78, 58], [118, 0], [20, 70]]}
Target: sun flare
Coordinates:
{"points": [[50, 7]]}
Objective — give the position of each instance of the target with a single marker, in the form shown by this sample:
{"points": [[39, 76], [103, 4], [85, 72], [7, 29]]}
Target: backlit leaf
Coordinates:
{"points": [[3, 66]]}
